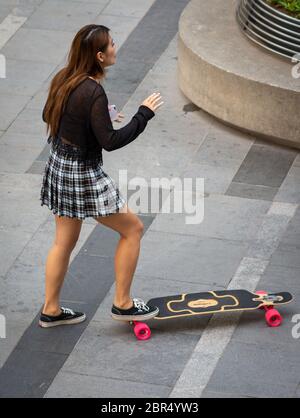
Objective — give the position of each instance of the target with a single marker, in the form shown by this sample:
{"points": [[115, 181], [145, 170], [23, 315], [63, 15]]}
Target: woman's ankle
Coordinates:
{"points": [[123, 304], [51, 310]]}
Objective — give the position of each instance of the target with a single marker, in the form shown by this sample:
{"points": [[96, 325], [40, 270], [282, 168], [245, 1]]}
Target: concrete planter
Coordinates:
{"points": [[231, 78]]}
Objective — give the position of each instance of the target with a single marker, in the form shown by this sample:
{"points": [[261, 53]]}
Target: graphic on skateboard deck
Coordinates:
{"points": [[205, 303]]}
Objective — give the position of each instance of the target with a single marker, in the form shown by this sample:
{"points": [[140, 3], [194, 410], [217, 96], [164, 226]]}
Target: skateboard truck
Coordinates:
{"points": [[273, 317]]}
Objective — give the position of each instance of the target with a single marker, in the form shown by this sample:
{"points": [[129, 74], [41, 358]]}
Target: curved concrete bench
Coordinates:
{"points": [[232, 78]]}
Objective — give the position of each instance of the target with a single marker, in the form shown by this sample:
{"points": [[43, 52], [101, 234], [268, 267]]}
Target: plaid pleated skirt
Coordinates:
{"points": [[78, 188]]}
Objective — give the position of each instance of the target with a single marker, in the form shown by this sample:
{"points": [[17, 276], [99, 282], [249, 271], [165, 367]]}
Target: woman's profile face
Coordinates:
{"points": [[108, 57]]}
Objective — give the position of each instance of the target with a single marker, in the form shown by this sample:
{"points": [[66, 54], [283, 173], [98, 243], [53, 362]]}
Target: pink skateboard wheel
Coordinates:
{"points": [[142, 331], [273, 318]]}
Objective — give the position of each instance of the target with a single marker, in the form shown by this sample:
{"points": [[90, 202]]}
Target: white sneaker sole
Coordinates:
{"points": [[63, 322], [135, 317]]}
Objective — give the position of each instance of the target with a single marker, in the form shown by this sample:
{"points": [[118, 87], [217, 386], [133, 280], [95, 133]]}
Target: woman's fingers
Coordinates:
{"points": [[158, 105], [119, 117], [155, 98]]}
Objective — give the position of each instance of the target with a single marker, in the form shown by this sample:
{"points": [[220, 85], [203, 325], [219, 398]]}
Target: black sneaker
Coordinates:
{"points": [[139, 311], [67, 317]]}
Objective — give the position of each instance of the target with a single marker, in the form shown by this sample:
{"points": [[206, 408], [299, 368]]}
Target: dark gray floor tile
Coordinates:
{"points": [[250, 191], [256, 370], [28, 374], [265, 165]]}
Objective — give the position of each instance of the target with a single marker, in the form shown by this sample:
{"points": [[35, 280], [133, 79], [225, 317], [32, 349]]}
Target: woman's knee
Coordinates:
{"points": [[138, 228], [67, 233], [134, 230], [127, 223]]}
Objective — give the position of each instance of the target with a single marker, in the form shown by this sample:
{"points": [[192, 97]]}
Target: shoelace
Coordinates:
{"points": [[67, 311], [140, 304]]}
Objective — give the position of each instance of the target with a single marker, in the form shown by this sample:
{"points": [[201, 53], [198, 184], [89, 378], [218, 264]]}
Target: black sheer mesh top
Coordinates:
{"points": [[86, 126]]}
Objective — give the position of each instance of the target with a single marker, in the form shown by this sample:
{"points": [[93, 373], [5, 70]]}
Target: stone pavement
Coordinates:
{"points": [[249, 236]]}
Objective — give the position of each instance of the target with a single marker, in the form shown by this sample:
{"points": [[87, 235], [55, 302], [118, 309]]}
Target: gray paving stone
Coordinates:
{"points": [[38, 100], [145, 39], [132, 8], [296, 162], [11, 139], [222, 149], [10, 107], [112, 352], [22, 8], [120, 26], [189, 258], [70, 385], [270, 234], [254, 370], [262, 248], [291, 235], [265, 165], [24, 77], [11, 243], [37, 167], [31, 44], [17, 158], [24, 189], [29, 121], [224, 218], [20, 382], [127, 86], [290, 189], [286, 255], [89, 278], [22, 291], [57, 15], [24, 3], [44, 155], [15, 327], [221, 395], [216, 178], [5, 9], [36, 251], [250, 191], [281, 275]]}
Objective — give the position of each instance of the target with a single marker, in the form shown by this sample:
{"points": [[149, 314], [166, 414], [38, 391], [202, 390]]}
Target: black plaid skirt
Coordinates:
{"points": [[78, 188]]}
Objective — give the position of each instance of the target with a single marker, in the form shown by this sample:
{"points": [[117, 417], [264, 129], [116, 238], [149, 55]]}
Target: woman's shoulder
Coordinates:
{"points": [[94, 85]]}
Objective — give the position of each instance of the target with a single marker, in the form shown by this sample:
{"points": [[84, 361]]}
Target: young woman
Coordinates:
{"points": [[74, 184]]}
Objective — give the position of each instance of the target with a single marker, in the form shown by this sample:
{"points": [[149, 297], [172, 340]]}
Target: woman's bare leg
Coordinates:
{"points": [[127, 252], [67, 234]]}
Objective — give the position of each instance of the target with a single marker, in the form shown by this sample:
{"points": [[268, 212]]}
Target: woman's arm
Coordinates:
{"points": [[109, 138]]}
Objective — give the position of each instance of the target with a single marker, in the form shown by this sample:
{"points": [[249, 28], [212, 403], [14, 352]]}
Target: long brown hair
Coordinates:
{"points": [[82, 62]]}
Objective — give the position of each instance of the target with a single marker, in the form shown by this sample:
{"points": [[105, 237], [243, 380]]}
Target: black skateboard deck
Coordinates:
{"points": [[188, 304], [205, 303]]}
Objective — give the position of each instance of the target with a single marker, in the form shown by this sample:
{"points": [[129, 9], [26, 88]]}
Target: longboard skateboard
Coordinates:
{"points": [[205, 303]]}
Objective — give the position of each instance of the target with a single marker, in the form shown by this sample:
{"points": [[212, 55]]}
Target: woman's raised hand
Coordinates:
{"points": [[153, 101]]}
